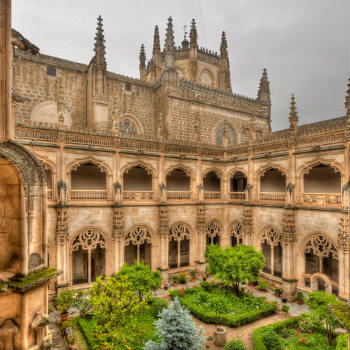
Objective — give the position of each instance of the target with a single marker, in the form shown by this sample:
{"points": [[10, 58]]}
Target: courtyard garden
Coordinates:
{"points": [[123, 312]]}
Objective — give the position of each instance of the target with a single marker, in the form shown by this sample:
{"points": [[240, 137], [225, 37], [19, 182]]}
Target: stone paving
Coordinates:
{"points": [[54, 326]]}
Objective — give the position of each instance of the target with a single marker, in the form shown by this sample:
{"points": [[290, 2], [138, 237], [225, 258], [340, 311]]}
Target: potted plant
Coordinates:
{"points": [[300, 297], [182, 278], [253, 282], [64, 301], [193, 275], [263, 285], [284, 298], [175, 280], [278, 292]]}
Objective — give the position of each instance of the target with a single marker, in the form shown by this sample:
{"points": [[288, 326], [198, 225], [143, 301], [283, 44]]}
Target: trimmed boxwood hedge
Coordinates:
{"points": [[227, 320], [258, 332]]}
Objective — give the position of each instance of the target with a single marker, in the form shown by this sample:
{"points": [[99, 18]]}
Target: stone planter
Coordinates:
{"points": [[220, 336], [64, 316]]}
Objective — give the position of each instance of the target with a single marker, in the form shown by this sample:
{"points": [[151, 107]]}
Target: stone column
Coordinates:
{"points": [[343, 255], [163, 223], [117, 234], [225, 237], [201, 239], [248, 225], [289, 281], [62, 242]]}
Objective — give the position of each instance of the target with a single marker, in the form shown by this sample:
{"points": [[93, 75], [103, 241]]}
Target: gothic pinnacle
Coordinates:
{"points": [[169, 38], [193, 34], [100, 49], [156, 41], [293, 115], [264, 88], [347, 100], [223, 46], [142, 56]]}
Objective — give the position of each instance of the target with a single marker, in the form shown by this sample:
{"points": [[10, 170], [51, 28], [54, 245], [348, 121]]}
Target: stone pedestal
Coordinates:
{"points": [[289, 287], [200, 267], [164, 272]]}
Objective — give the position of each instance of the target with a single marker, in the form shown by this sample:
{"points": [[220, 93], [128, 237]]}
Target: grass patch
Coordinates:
{"points": [[241, 310], [290, 335], [342, 312], [20, 282]]}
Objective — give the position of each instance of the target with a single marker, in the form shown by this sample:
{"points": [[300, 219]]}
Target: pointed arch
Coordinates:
{"points": [[148, 167], [179, 240], [77, 162], [188, 170], [305, 169], [129, 125], [232, 133], [236, 231]]}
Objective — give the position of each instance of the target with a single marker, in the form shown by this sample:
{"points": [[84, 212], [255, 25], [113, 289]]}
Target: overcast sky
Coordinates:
{"points": [[304, 44]]}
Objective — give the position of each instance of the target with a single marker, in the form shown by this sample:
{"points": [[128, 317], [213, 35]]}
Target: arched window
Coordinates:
{"points": [[272, 249], [213, 233], [179, 245], [273, 181], [88, 176], [211, 182], [230, 134], [322, 179], [88, 256], [238, 182], [178, 180], [137, 179], [138, 245], [321, 257], [206, 78], [127, 128], [236, 232]]}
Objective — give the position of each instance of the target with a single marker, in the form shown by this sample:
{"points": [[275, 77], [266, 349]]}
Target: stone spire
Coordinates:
{"points": [[100, 49], [142, 58], [193, 35], [156, 42], [293, 115], [347, 100], [264, 89], [223, 46], [169, 47]]}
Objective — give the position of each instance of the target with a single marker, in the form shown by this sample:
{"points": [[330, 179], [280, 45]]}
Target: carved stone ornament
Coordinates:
{"points": [[247, 221], [179, 232], [163, 220], [213, 229], [321, 246], [236, 230], [35, 261], [288, 226], [270, 236], [343, 233], [118, 223], [89, 239], [62, 226], [138, 235]]}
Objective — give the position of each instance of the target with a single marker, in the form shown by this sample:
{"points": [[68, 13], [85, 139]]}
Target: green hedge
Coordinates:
{"points": [[227, 320], [87, 327], [259, 332]]}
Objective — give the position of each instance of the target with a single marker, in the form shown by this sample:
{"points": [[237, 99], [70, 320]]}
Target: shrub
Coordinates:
{"points": [[278, 291], [235, 344], [342, 342], [64, 301], [175, 278], [157, 305], [182, 278], [207, 286], [271, 339], [285, 308], [300, 296], [263, 285]]}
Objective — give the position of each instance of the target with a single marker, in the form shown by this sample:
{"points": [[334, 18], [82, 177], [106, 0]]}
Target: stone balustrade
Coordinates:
{"points": [[137, 195], [212, 195], [178, 195], [321, 199], [237, 196], [278, 197], [88, 195]]}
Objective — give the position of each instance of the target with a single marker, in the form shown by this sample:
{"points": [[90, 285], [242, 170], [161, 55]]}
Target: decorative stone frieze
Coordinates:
{"points": [[343, 233], [62, 225], [118, 222]]}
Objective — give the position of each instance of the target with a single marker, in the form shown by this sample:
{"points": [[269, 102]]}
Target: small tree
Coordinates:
{"points": [[234, 265], [141, 276], [176, 330], [318, 303]]}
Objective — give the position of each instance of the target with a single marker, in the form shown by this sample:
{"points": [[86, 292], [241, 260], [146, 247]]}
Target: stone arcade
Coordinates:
{"points": [[103, 169]]}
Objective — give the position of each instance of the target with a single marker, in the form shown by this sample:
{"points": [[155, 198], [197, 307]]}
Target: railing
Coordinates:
{"points": [[178, 195], [272, 196], [237, 196], [137, 195], [49, 194], [88, 195], [321, 199], [212, 195]]}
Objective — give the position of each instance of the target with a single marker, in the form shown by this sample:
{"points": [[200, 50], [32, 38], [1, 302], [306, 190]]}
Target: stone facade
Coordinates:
{"points": [[156, 168]]}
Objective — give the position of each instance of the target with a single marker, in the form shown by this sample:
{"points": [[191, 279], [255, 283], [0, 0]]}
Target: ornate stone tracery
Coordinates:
{"points": [[236, 230], [89, 239], [61, 225], [179, 232], [270, 236], [213, 229], [128, 128], [321, 246], [138, 235], [343, 233]]}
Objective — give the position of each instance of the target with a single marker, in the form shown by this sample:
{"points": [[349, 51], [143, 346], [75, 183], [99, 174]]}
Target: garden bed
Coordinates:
{"points": [[241, 310], [291, 334]]}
